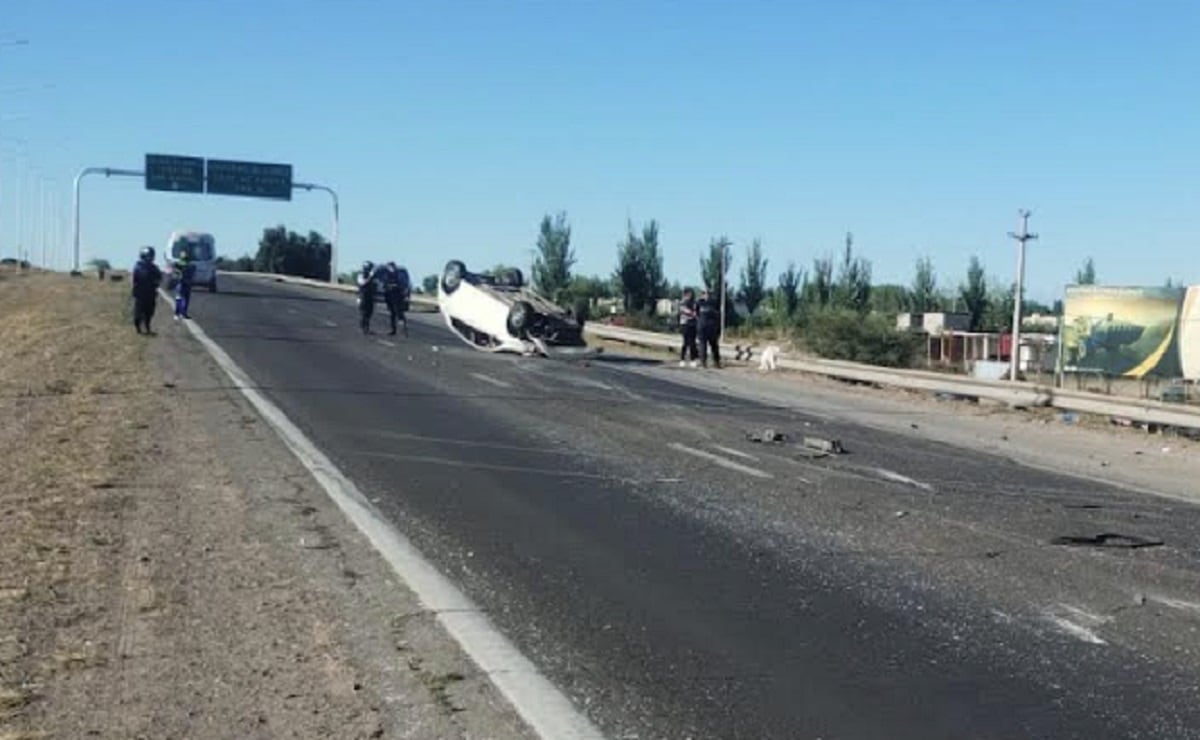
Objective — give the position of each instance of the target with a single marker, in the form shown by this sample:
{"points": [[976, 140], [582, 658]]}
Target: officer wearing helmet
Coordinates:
{"points": [[367, 289], [396, 292], [146, 279]]}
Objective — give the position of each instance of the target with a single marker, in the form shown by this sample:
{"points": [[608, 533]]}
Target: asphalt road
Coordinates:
{"points": [[680, 581]]}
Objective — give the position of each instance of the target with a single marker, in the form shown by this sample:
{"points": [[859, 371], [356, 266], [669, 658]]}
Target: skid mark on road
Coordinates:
{"points": [[735, 453], [459, 464], [490, 380], [901, 478], [718, 460], [1076, 622]]}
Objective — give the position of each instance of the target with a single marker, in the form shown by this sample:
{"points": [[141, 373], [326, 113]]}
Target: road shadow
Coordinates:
{"points": [[606, 358]]}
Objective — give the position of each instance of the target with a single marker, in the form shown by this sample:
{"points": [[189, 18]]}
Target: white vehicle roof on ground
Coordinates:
{"points": [[499, 313]]}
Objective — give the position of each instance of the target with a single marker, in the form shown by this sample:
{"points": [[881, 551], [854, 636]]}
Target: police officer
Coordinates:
{"points": [[709, 316], [146, 279], [396, 290], [367, 288], [185, 274]]}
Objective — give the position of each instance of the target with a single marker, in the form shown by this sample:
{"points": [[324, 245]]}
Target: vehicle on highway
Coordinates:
{"points": [[202, 252], [499, 313]]}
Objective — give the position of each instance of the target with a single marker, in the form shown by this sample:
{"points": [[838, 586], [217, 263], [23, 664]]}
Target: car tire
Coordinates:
{"points": [[519, 317], [453, 276], [514, 278]]}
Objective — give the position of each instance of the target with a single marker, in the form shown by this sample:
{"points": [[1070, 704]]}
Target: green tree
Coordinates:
{"points": [[429, 284], [552, 268], [974, 294], [790, 282], [719, 247], [285, 252], [924, 295], [853, 289], [101, 266], [820, 290], [640, 268], [1086, 275], [890, 299], [754, 277], [1000, 308]]}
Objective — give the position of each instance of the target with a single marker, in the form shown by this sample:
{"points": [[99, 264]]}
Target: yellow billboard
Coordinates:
{"points": [[1130, 332]]}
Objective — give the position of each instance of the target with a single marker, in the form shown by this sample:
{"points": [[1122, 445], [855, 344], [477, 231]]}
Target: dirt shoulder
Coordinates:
{"points": [[169, 571]]}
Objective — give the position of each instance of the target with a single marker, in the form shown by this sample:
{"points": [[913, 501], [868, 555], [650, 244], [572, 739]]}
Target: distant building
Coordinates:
{"points": [[933, 323]]}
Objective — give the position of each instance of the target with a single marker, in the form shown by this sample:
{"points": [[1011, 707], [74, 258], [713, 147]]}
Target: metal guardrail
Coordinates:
{"points": [[1013, 394]]}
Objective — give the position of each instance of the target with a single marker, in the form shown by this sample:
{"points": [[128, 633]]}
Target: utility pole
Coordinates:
{"points": [[1022, 237], [724, 252]]}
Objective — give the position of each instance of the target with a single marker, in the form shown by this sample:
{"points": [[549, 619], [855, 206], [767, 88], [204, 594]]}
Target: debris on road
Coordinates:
{"points": [[821, 444], [1107, 539], [768, 435]]}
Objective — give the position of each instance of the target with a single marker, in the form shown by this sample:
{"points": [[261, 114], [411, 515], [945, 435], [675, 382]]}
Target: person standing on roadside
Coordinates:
{"points": [[709, 315], [185, 275], [146, 277], [367, 288], [687, 324]]}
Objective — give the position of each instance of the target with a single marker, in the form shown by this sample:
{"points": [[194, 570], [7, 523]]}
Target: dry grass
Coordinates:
{"points": [[73, 387]]}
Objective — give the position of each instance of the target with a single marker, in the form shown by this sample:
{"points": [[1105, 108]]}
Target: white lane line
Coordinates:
{"points": [[489, 379], [722, 461], [547, 710], [386, 343], [735, 453], [330, 324], [899, 478]]}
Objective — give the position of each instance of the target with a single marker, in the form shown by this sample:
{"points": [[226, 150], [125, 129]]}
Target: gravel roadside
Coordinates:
{"points": [[171, 572]]}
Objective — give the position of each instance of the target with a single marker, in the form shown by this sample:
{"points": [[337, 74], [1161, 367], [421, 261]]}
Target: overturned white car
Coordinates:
{"points": [[498, 313]]}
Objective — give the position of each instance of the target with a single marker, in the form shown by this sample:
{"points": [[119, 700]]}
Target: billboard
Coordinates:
{"points": [[1131, 332], [1189, 334]]}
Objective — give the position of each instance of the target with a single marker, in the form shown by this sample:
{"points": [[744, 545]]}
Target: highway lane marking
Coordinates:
{"points": [[718, 460], [489, 379], [451, 462], [386, 343], [735, 453], [330, 324], [900, 478], [1077, 631], [547, 710]]}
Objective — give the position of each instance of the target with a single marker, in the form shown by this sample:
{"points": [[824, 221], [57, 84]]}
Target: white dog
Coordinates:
{"points": [[769, 361]]}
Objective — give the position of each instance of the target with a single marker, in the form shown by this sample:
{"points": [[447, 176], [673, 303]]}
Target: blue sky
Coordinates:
{"points": [[449, 128]]}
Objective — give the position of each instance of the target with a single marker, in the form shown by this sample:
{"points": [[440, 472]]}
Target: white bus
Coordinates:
{"points": [[202, 251]]}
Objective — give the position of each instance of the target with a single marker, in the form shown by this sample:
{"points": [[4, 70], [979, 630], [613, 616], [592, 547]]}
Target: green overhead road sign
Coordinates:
{"points": [[255, 179], [174, 174]]}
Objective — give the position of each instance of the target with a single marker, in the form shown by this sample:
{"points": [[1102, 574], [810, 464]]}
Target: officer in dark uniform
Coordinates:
{"points": [[709, 316], [146, 279], [396, 292], [367, 289]]}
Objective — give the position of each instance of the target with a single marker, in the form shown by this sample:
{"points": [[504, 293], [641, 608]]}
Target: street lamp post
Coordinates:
{"points": [[1022, 237], [333, 244]]}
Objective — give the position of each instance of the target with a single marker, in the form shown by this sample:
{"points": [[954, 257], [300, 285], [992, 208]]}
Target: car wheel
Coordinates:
{"points": [[452, 276], [519, 317], [513, 278]]}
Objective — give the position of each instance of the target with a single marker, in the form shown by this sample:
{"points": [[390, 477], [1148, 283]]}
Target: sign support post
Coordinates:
{"points": [[333, 244]]}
